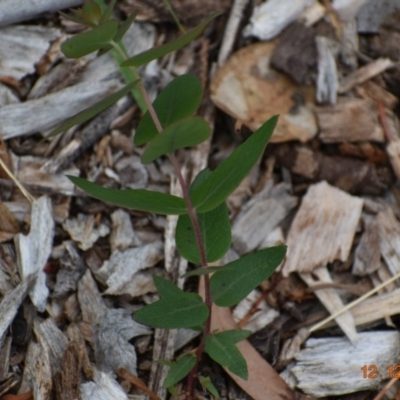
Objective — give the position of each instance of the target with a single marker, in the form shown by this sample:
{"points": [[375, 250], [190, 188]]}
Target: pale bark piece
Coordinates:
{"points": [[72, 267], [7, 96], [261, 216], [332, 301], [350, 45], [12, 11], [51, 339], [34, 250], [83, 230], [37, 372], [261, 318], [90, 300], [269, 19], [120, 269], [389, 235], [11, 302], [327, 79], [312, 14], [249, 90], [323, 229], [21, 47], [104, 387], [29, 171], [333, 366], [51, 110], [122, 234], [112, 348], [350, 120], [365, 73], [368, 254], [232, 27], [5, 283]]}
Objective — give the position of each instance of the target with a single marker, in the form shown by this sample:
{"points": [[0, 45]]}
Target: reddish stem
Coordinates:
{"points": [[195, 221]]}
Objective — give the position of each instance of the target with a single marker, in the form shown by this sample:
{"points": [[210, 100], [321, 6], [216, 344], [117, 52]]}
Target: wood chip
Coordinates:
{"points": [[22, 46], [270, 18], [333, 366], [112, 348], [310, 242], [53, 109], [365, 73], [350, 120], [34, 250]]}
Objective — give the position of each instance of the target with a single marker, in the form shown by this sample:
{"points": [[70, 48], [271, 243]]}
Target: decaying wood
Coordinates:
{"points": [[310, 243], [333, 366], [12, 11], [373, 13], [378, 93], [297, 43], [350, 120]]}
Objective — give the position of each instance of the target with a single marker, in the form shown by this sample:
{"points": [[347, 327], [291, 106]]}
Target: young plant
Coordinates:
{"points": [[203, 233]]}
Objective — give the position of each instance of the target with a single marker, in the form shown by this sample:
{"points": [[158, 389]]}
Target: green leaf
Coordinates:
{"points": [[124, 26], [180, 369], [85, 43], [91, 13], [214, 227], [228, 175], [230, 286], [202, 271], [183, 310], [165, 287], [208, 385], [90, 112], [185, 133], [135, 199], [160, 51], [107, 11], [221, 348], [178, 100]]}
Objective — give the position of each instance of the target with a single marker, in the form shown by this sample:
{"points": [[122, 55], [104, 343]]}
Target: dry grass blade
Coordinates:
{"points": [[123, 373]]}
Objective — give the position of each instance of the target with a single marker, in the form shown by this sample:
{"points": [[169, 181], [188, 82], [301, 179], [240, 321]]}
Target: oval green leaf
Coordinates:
{"points": [[165, 287], [183, 310], [214, 227], [185, 133], [230, 286], [178, 100], [160, 51], [228, 175], [180, 369], [201, 271], [85, 43], [135, 199], [221, 348]]}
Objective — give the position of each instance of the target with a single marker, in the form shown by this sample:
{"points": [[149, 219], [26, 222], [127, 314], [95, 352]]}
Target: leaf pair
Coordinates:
{"points": [[175, 309]]}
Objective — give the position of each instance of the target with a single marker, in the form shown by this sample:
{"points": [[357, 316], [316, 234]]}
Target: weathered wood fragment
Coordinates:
{"points": [[350, 120], [34, 250], [323, 229], [113, 331], [296, 54], [333, 366]]}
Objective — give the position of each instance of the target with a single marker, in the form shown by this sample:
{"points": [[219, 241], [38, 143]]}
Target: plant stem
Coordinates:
{"points": [[195, 221]]}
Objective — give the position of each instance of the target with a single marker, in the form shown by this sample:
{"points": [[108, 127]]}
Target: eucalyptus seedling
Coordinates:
{"points": [[203, 232]]}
